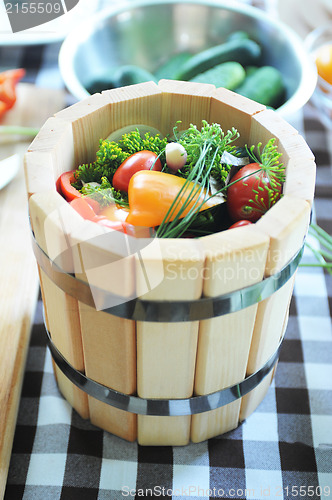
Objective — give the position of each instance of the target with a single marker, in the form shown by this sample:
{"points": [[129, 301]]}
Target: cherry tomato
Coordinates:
{"points": [[86, 207], [240, 223], [65, 187], [142, 160], [252, 196], [324, 62]]}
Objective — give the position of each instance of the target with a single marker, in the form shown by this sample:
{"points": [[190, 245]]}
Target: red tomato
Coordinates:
{"points": [[142, 160], [64, 184], [240, 223], [252, 196], [86, 207]]}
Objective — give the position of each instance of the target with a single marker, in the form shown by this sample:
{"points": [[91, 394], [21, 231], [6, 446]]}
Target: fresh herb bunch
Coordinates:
{"points": [[108, 158], [104, 193], [216, 141], [195, 188], [133, 142], [274, 171], [111, 154]]}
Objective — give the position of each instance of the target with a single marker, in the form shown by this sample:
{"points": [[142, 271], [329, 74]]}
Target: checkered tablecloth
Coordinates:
{"points": [[282, 451]]}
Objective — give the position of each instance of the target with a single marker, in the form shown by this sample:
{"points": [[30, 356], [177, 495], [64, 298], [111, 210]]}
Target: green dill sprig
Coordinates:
{"points": [[104, 193], [132, 142], [111, 154], [274, 175], [204, 151], [193, 140], [108, 158]]}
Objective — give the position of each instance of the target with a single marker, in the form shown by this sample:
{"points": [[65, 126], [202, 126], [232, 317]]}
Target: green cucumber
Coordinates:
{"points": [[244, 51], [238, 35], [250, 70], [228, 75], [171, 67], [130, 74], [265, 85]]}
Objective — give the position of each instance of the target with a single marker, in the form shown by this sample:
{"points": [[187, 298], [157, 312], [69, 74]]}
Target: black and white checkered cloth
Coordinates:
{"points": [[282, 451]]}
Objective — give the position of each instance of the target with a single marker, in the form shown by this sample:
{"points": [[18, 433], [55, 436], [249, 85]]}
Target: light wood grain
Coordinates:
{"points": [[109, 342], [234, 259], [19, 288], [49, 155], [232, 110], [53, 219], [185, 101], [135, 104], [286, 224], [18, 269], [166, 352]]}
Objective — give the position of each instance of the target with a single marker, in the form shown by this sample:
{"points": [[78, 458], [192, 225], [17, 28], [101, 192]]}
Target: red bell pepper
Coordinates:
{"points": [[8, 82]]}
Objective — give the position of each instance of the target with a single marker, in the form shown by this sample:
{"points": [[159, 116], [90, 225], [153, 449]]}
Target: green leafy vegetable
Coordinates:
{"points": [[214, 141], [111, 154], [104, 193], [204, 151], [268, 160]]}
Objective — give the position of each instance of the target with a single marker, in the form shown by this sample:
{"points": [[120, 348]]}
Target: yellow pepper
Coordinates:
{"points": [[151, 194]]}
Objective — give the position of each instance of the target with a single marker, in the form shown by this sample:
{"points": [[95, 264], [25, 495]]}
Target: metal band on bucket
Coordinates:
{"points": [[161, 407], [169, 311]]}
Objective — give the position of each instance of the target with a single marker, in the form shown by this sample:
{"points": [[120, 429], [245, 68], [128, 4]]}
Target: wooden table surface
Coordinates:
{"points": [[19, 284]]}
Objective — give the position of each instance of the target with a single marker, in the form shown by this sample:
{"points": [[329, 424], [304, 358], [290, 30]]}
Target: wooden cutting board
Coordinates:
{"points": [[18, 271]]}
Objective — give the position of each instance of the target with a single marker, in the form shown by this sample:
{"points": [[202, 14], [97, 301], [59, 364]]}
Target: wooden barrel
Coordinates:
{"points": [[143, 359]]}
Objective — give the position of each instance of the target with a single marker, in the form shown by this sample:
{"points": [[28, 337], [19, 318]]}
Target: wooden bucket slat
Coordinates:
{"points": [[185, 101], [38, 168], [54, 138], [268, 124], [300, 167], [135, 104], [166, 352], [286, 224], [109, 342], [158, 373], [51, 219], [233, 110], [300, 179], [234, 259], [90, 122]]}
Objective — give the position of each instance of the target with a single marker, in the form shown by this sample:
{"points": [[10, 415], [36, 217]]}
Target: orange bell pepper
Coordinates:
{"points": [[114, 213], [151, 194]]}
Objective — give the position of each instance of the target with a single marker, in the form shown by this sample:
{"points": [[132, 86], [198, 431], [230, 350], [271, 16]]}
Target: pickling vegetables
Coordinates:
{"points": [[194, 182], [151, 195], [141, 160], [228, 64], [256, 186], [176, 156]]}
